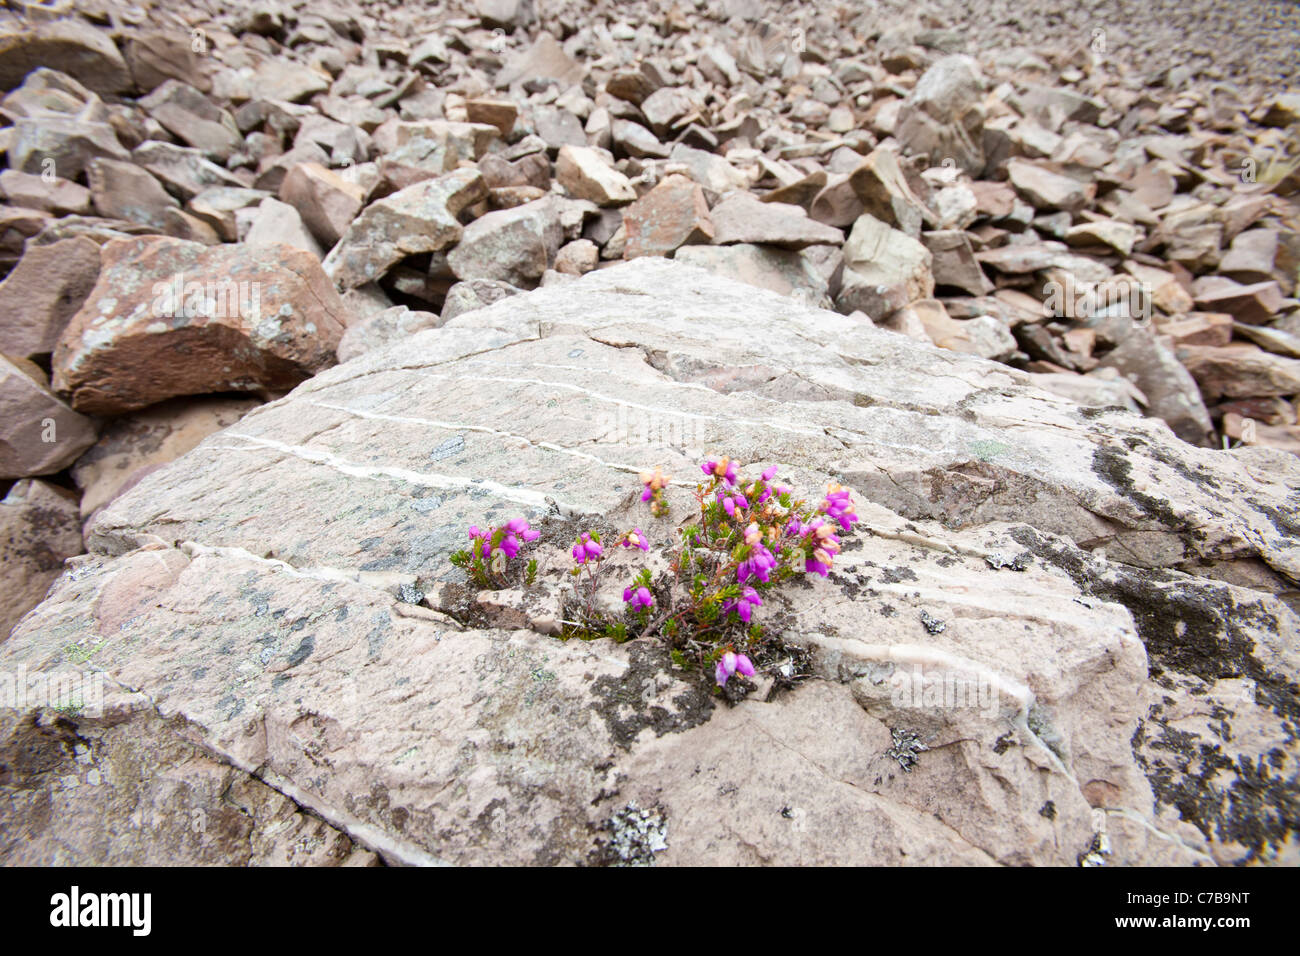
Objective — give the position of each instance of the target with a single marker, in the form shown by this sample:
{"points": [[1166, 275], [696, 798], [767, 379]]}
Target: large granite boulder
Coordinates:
{"points": [[278, 605]]}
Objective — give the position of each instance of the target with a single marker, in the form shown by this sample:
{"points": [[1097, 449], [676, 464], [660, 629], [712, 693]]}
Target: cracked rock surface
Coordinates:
{"points": [[1124, 601]]}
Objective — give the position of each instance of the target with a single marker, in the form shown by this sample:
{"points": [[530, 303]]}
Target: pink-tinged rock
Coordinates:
{"points": [[134, 444], [585, 175], [70, 46], [156, 56], [42, 294], [193, 118], [326, 201], [58, 196], [1047, 188], [39, 435], [39, 529], [419, 218], [513, 245], [1253, 304], [169, 318], [672, 214], [742, 218], [1240, 370], [125, 191]]}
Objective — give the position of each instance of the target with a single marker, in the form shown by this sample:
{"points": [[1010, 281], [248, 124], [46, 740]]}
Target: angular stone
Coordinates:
{"points": [[671, 215], [712, 172], [39, 530], [558, 127], [125, 191], [194, 119], [1045, 188], [954, 265], [221, 208], [507, 14], [1171, 393], [62, 144], [156, 56], [511, 245], [984, 336], [278, 222], [577, 258], [668, 107], [382, 328], [1240, 370], [801, 192], [1198, 328], [420, 218], [879, 184], [39, 435], [1119, 236], [278, 79], [70, 46], [744, 218], [169, 318], [784, 271], [182, 170], [59, 196], [326, 201], [474, 294], [545, 59], [943, 115], [500, 113], [884, 270], [1254, 304], [134, 445], [584, 175], [42, 294], [838, 204], [633, 139]]}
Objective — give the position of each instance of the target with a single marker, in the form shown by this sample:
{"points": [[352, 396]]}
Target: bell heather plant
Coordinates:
{"points": [[750, 536]]}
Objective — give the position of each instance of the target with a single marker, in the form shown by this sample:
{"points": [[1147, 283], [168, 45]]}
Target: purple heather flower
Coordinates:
{"points": [[653, 482], [770, 473], [586, 549], [730, 663], [743, 605], [638, 599], [635, 539], [825, 546], [759, 564], [724, 469], [733, 501], [838, 506]]}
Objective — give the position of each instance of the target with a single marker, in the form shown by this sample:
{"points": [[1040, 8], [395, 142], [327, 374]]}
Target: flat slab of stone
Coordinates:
{"points": [[1048, 549]]}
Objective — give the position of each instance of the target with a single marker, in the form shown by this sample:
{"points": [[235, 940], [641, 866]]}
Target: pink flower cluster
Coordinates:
{"points": [[729, 664], [638, 598], [821, 544], [586, 549], [724, 469], [743, 605], [516, 531], [838, 506]]}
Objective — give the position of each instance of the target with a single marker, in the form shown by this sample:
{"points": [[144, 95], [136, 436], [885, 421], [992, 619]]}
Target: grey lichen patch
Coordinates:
{"points": [[628, 703], [906, 748], [634, 837], [932, 624]]}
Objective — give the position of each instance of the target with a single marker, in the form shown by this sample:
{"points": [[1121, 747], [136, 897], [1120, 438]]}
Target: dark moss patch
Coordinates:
{"points": [[1117, 471], [1199, 631]]}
